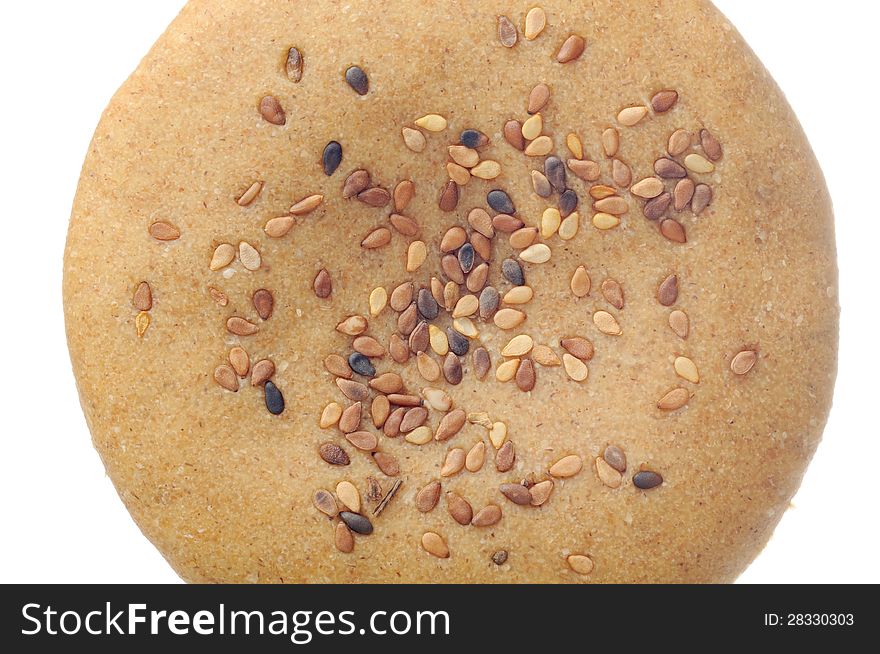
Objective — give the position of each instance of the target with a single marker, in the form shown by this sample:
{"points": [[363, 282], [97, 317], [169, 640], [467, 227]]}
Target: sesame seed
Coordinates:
{"points": [[526, 376], [541, 184], [533, 127], [437, 399], [458, 344], [262, 372], [580, 563], [516, 493], [264, 303], [354, 391], [679, 323], [607, 475], [648, 188], [438, 340], [743, 362], [476, 457], [578, 347], [432, 122], [575, 368], [420, 435], [271, 110], [580, 282], [646, 480], [615, 457], [568, 202], [453, 463], [323, 285], [143, 297], [307, 205], [667, 292], [241, 327], [505, 457], [513, 134], [477, 278], [427, 367], [358, 80], [249, 256], [498, 434], [376, 197], [507, 33], [711, 145], [162, 231], [225, 377], [538, 98], [378, 238], [538, 253], [449, 197], [507, 371], [702, 199], [612, 291], [656, 207], [487, 170], [279, 227], [610, 142], [664, 101], [669, 169], [427, 497], [349, 496], [472, 138], [482, 363], [353, 326], [325, 503], [414, 139], [508, 319], [567, 466], [540, 147], [523, 238], [480, 220], [683, 194], [224, 255], [500, 201], [621, 174], [674, 399], [698, 164], [459, 508], [631, 116], [605, 221], [337, 366], [519, 295], [679, 142], [588, 171], [380, 409], [331, 158], [378, 301], [607, 323], [294, 65], [507, 224], [571, 49], [574, 145], [416, 255], [434, 544], [687, 369], [274, 399], [387, 464], [361, 365], [544, 356], [390, 383], [615, 205], [452, 369], [673, 231], [487, 516], [247, 198], [536, 21], [404, 192], [343, 539], [357, 523]]}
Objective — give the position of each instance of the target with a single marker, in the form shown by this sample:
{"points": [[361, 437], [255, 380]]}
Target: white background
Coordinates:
{"points": [[61, 61]]}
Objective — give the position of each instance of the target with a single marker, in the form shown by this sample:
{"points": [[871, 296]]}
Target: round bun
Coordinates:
{"points": [[543, 297]]}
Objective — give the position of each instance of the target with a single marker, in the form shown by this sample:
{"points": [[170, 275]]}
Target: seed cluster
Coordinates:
{"points": [[478, 287]]}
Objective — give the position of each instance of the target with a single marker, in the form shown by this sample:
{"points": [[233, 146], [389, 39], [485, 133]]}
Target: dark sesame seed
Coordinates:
{"points": [[499, 557], [361, 365], [568, 202], [274, 399], [646, 480], [357, 523], [554, 170], [489, 301], [656, 208], [458, 344], [358, 80], [427, 305], [466, 257], [452, 369], [513, 272], [501, 202], [333, 454], [471, 138], [332, 157]]}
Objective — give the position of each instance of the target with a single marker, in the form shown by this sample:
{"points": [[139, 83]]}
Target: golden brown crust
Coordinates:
{"points": [[225, 490]]}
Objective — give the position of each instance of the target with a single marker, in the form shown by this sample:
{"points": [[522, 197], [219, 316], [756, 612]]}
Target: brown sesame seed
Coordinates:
{"points": [[354, 391], [391, 428], [402, 296], [523, 238], [476, 457], [476, 280], [294, 65], [516, 493], [450, 425], [337, 366], [586, 170], [241, 327], [279, 227], [307, 205], [162, 231], [505, 457], [674, 399], [743, 362], [479, 220], [621, 174], [513, 134], [343, 538], [225, 376], [463, 156], [262, 372], [240, 361], [482, 363], [387, 383], [454, 238], [459, 508], [453, 463], [615, 205], [399, 399], [580, 563], [387, 464], [580, 282], [452, 269], [525, 376], [679, 142], [408, 320], [353, 326], [507, 33], [711, 145], [702, 199], [615, 457], [546, 357], [414, 417], [357, 182], [578, 347], [669, 169], [376, 197], [427, 367], [380, 409], [272, 111], [541, 492], [656, 207], [487, 516], [613, 293], [350, 420], [427, 498], [683, 193], [143, 297], [673, 231], [264, 303], [434, 544], [571, 49], [378, 238], [333, 454], [506, 223], [664, 101], [439, 292], [398, 349], [667, 293], [250, 194], [404, 192], [538, 98], [449, 197]]}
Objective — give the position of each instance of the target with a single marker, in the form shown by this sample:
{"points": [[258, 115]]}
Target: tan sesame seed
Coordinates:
{"points": [[538, 253], [454, 238], [498, 434], [674, 399], [648, 188], [420, 435], [536, 21], [610, 142], [343, 538], [518, 346], [224, 255], [615, 205], [279, 227], [607, 475], [567, 466], [571, 49], [631, 116], [487, 516], [427, 367], [416, 255], [602, 191], [476, 280], [523, 238], [480, 418], [225, 376], [533, 127], [262, 372], [378, 238], [466, 327], [162, 231], [538, 98], [398, 348], [506, 371], [487, 169], [240, 361], [337, 366], [683, 193], [368, 346], [679, 323], [569, 227], [389, 383], [480, 220], [574, 145], [241, 327], [349, 496], [458, 174], [353, 326], [607, 323], [550, 222], [476, 457], [540, 184], [687, 369], [454, 462], [581, 564], [432, 122], [507, 33], [546, 357], [679, 142], [466, 306], [509, 319], [325, 503], [575, 368], [402, 296], [414, 139], [450, 424], [743, 362], [519, 295], [434, 544], [437, 399], [540, 147], [403, 194], [621, 174], [702, 199], [698, 164], [605, 221], [378, 301], [439, 341], [540, 492], [249, 256], [306, 205], [354, 391], [580, 282], [247, 198], [380, 409], [464, 156]]}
